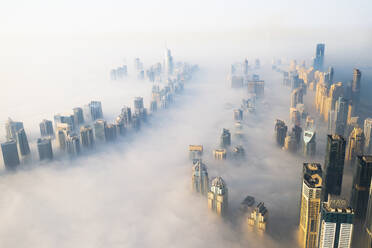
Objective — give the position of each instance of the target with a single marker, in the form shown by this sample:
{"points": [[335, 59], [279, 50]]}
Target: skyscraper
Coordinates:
{"points": [[333, 165], [309, 143], [72, 145], [319, 57], [138, 103], [218, 196], [355, 88], [355, 145], [246, 67], [44, 147], [126, 114], [99, 130], [238, 114], [225, 138], [341, 113], [258, 217], [10, 154], [368, 136], [361, 184], [200, 182], [67, 119], [368, 220], [62, 130], [280, 132], [219, 154], [195, 151], [93, 111], [168, 63], [297, 96], [22, 143], [87, 137], [46, 128], [78, 117], [310, 204], [11, 128], [336, 224], [290, 143], [110, 132]]}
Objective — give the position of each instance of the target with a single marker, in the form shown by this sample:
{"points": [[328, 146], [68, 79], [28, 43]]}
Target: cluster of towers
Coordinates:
{"points": [[326, 218], [85, 127]]}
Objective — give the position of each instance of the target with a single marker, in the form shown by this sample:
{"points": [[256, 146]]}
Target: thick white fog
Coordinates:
{"points": [[137, 192]]}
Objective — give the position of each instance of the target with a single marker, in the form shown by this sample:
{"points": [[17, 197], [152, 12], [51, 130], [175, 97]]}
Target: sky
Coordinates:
{"points": [[57, 55]]}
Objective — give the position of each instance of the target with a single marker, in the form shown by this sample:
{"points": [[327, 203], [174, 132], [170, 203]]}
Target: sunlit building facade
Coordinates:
{"points": [[218, 196]]}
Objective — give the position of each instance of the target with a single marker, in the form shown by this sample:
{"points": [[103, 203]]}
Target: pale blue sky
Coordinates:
{"points": [[47, 16]]}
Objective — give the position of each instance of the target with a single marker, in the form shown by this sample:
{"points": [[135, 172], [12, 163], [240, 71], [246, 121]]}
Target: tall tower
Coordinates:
{"points": [[246, 67], [200, 182], [93, 111], [336, 224], [258, 217], [87, 137], [297, 97], [368, 222], [168, 63], [355, 145], [361, 185], [225, 138], [217, 196], [99, 130], [341, 112], [280, 132], [333, 165], [355, 90], [11, 128], [368, 136], [46, 128], [10, 154], [319, 57], [310, 204], [44, 147], [73, 145], [22, 143], [309, 143], [78, 117]]}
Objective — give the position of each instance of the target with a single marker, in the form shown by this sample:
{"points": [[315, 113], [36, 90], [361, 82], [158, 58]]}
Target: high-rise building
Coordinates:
{"points": [[336, 224], [361, 184], [99, 130], [93, 111], [200, 182], [11, 128], [168, 63], [153, 106], [341, 113], [62, 130], [297, 96], [246, 67], [333, 165], [46, 128], [87, 137], [355, 145], [22, 143], [368, 136], [310, 204], [67, 119], [72, 144], [138, 104], [238, 152], [309, 143], [328, 76], [78, 117], [238, 114], [297, 132], [225, 138], [218, 196], [295, 116], [258, 217], [368, 220], [10, 154], [280, 132], [126, 114], [355, 88], [110, 132], [310, 123], [319, 57], [195, 151], [290, 143], [219, 154], [136, 122], [44, 147]]}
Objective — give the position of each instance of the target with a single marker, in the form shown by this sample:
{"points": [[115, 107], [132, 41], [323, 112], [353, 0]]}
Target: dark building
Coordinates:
{"points": [[225, 138], [87, 137], [361, 185], [110, 132], [78, 116], [44, 147], [10, 154], [333, 165], [46, 128], [280, 132], [297, 131], [126, 115], [22, 142], [11, 128], [355, 88], [319, 57], [368, 221], [238, 114]]}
